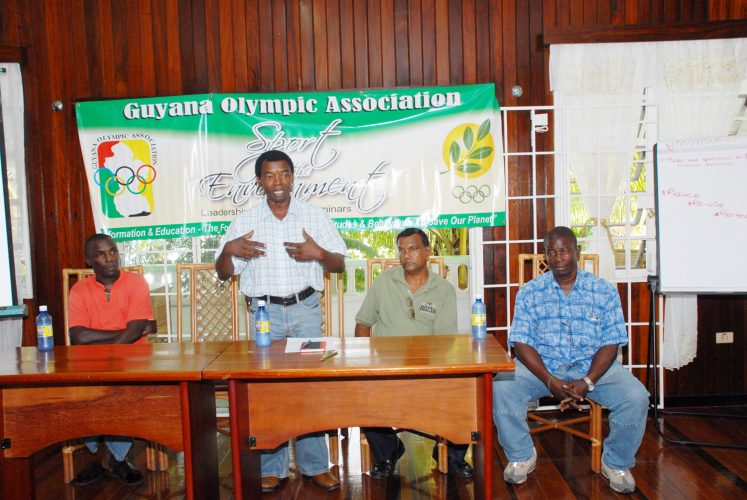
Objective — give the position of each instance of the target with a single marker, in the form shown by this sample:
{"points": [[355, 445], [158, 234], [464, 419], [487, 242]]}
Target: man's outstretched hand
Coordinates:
{"points": [[308, 250], [245, 248]]}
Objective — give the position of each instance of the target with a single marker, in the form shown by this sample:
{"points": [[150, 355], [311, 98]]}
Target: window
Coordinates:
{"points": [[159, 258], [613, 212], [11, 103]]}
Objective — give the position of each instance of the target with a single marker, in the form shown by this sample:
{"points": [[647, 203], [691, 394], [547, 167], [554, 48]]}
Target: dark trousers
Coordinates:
{"points": [[383, 442]]}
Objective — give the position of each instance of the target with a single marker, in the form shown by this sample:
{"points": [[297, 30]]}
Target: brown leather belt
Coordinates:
{"points": [[289, 300]]}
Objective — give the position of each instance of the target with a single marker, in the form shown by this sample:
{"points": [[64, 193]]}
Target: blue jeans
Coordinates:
{"points": [[618, 390], [118, 447], [299, 320]]}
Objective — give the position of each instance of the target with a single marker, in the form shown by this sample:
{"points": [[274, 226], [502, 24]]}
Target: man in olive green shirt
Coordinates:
{"points": [[408, 300]]}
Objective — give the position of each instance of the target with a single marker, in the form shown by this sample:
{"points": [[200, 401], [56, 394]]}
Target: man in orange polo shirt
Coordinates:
{"points": [[110, 307]]}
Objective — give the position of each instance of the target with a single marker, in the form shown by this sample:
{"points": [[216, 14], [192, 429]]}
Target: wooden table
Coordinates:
{"points": [[437, 384], [148, 391]]}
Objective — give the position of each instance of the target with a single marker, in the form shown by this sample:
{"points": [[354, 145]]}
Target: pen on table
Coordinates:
{"points": [[328, 355]]}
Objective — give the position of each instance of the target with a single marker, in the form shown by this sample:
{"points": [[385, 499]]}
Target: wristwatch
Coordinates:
{"points": [[589, 383]]}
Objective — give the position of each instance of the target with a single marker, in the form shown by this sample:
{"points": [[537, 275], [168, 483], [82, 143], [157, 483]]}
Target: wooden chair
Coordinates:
{"points": [[213, 304], [326, 301], [594, 418], [378, 266], [213, 307], [156, 457]]}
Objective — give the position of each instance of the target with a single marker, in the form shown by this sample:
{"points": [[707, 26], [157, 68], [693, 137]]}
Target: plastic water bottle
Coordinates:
{"points": [[44, 335], [479, 320], [262, 325]]}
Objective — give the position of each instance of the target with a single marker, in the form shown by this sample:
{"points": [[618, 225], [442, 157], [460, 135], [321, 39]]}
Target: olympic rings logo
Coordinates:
{"points": [[471, 193], [125, 178]]}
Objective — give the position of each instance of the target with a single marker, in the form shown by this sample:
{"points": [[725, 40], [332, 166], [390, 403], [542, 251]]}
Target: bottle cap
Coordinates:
{"points": [[42, 308], [260, 303]]}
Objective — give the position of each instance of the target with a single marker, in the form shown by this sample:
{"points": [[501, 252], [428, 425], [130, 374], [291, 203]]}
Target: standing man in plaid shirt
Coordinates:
{"points": [[281, 248]]}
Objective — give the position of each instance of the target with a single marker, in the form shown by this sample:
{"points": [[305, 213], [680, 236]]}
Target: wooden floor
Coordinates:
{"points": [[664, 470]]}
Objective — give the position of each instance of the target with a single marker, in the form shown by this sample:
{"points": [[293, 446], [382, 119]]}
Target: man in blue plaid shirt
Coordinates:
{"points": [[566, 330]]}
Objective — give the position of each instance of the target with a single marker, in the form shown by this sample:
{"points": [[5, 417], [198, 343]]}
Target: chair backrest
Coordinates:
{"points": [[327, 302], [69, 277], [213, 304], [539, 265], [384, 264]]}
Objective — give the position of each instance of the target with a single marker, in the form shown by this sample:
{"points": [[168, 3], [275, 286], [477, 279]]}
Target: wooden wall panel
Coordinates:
{"points": [[375, 55], [483, 41], [84, 49], [347, 45], [333, 47], [388, 43], [297, 38], [428, 56], [400, 57], [454, 54]]}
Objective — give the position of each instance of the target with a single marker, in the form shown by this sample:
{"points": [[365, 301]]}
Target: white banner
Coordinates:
{"points": [[384, 159]]}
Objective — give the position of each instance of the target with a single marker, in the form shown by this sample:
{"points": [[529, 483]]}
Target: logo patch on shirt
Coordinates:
{"points": [[427, 307]]}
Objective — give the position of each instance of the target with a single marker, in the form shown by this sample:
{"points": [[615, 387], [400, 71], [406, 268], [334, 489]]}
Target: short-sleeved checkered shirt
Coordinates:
{"points": [[276, 273], [569, 328]]}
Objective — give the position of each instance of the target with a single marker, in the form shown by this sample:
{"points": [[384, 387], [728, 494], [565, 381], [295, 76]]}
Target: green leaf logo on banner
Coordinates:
{"points": [[473, 157]]}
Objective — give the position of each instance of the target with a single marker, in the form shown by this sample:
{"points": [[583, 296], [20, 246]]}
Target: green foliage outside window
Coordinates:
{"points": [[583, 225]]}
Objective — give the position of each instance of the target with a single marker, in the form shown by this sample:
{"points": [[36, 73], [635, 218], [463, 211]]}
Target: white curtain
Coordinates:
{"points": [[696, 84], [11, 93], [599, 87], [698, 97], [599, 154]]}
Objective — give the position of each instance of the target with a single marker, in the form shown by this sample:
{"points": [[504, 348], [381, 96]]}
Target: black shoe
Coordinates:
{"points": [[458, 467], [385, 468], [90, 474], [125, 472], [461, 468]]}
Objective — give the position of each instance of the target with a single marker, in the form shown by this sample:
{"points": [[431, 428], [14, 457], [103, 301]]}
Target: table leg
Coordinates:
{"points": [[482, 452], [488, 436], [200, 446], [16, 474], [17, 478], [247, 466]]}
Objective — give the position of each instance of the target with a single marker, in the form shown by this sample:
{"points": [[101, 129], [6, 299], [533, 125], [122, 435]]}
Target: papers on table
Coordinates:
{"points": [[294, 344]]}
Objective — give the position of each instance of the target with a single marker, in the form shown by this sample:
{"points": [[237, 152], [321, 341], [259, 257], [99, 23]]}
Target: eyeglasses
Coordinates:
{"points": [[411, 311]]}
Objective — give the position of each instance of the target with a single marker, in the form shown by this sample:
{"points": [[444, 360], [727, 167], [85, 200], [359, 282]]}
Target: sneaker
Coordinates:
{"points": [[516, 472], [621, 480]]}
